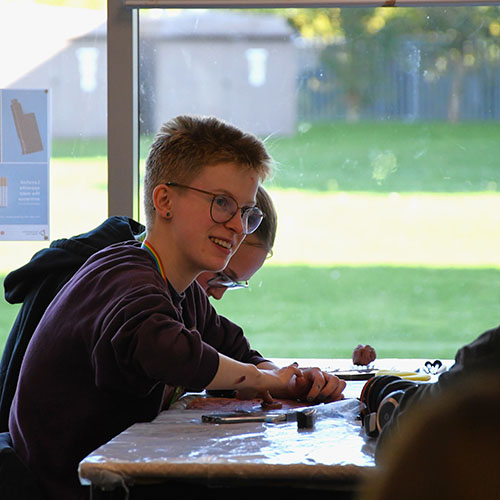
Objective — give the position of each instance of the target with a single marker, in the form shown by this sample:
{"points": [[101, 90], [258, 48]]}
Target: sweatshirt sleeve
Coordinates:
{"points": [[145, 341], [222, 334], [479, 356]]}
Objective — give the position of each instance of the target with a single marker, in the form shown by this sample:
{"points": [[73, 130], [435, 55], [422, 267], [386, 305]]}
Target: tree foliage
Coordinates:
{"points": [[358, 41]]}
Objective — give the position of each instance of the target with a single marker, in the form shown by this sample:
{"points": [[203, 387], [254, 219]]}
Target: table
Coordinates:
{"points": [[177, 451]]}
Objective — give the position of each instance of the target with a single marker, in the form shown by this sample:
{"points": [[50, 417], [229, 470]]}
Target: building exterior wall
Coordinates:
{"points": [[182, 73], [218, 78]]}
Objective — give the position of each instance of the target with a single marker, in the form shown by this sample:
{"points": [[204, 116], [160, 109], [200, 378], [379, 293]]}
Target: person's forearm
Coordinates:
{"points": [[251, 381], [267, 365], [232, 374]]}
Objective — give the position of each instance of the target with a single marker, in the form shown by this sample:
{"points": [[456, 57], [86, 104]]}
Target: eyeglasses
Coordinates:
{"points": [[223, 208], [222, 280]]}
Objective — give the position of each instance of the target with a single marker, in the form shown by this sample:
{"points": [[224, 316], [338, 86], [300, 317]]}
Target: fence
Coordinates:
{"points": [[414, 83]]}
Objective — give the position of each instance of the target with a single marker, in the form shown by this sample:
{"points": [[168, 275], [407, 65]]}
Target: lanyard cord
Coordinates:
{"points": [[149, 248]]}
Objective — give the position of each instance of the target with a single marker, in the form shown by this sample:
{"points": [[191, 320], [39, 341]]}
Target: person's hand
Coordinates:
{"points": [[316, 386], [274, 381]]}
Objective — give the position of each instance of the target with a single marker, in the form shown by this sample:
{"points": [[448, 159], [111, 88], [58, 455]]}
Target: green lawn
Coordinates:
{"points": [[298, 311], [429, 157], [387, 234], [405, 157], [7, 316]]}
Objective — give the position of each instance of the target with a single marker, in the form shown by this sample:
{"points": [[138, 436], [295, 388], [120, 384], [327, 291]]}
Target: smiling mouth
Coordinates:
{"points": [[222, 243]]}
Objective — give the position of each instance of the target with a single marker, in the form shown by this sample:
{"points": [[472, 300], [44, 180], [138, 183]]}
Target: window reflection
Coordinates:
{"points": [[88, 58], [62, 49], [257, 66]]}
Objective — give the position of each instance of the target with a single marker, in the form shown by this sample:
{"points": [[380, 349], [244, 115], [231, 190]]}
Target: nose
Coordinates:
{"points": [[235, 223], [216, 292]]}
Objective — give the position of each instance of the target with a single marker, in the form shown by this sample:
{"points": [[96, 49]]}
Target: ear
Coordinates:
{"points": [[162, 200]]}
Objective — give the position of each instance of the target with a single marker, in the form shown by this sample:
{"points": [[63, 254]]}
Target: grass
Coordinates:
{"points": [[406, 260], [298, 311], [378, 157], [306, 311], [8, 314], [390, 157], [409, 229]]}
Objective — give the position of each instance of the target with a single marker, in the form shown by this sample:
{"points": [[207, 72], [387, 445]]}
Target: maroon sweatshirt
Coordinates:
{"points": [[103, 352]]}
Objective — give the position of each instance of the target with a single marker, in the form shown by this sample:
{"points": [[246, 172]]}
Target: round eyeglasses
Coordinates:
{"points": [[222, 280], [224, 207]]}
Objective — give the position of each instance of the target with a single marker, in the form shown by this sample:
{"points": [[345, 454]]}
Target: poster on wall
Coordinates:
{"points": [[24, 164]]}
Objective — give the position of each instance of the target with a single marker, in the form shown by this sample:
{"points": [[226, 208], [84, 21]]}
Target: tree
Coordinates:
{"points": [[357, 60], [456, 39], [345, 35]]}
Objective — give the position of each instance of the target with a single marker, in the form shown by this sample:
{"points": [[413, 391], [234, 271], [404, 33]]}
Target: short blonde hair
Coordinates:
{"points": [[186, 144]]}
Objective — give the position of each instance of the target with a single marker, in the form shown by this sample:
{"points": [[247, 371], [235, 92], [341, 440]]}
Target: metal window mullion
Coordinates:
{"points": [[123, 113], [179, 4]]}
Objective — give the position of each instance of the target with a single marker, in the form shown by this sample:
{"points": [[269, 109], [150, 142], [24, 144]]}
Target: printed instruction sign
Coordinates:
{"points": [[24, 164]]}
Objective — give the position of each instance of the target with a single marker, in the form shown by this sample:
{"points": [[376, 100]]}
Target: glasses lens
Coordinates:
{"points": [[223, 208], [252, 219], [221, 280]]}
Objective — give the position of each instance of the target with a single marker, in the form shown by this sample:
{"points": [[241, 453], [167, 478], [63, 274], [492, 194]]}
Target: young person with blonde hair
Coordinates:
{"points": [[132, 324], [35, 284]]}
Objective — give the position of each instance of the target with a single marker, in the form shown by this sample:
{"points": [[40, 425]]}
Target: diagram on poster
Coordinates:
{"points": [[26, 128], [24, 164]]}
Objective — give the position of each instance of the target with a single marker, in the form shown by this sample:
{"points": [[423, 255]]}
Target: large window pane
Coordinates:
{"points": [[384, 126], [62, 49]]}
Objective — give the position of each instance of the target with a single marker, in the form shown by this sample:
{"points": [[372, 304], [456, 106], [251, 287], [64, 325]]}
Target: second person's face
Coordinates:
{"points": [[247, 260]]}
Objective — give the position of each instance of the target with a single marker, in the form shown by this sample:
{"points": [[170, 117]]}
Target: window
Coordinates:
{"points": [[384, 125], [62, 49]]}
